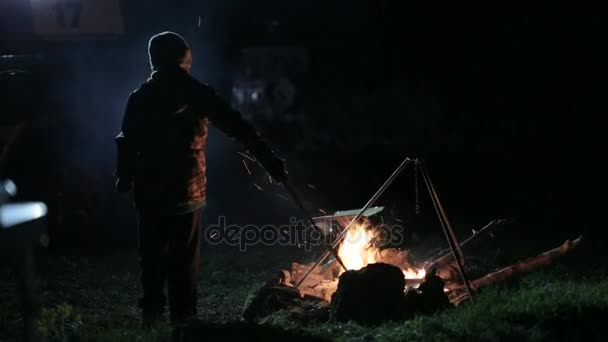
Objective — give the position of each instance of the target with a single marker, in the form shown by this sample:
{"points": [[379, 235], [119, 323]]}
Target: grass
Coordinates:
{"points": [[101, 294]]}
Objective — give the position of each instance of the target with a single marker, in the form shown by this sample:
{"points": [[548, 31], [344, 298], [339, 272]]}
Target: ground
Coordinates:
{"points": [[94, 299]]}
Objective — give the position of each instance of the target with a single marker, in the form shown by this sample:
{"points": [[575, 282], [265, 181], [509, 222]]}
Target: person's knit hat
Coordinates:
{"points": [[166, 49]]}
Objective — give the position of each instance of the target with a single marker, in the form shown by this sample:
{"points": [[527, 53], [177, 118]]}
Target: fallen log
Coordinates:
{"points": [[520, 267]]}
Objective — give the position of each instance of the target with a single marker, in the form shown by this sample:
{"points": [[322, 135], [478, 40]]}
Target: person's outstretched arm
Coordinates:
{"points": [[232, 124]]}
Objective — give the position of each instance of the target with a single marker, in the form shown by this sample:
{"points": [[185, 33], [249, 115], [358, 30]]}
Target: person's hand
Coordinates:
{"points": [[123, 186], [275, 166]]}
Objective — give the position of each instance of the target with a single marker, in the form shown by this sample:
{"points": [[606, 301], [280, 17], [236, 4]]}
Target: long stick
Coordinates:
{"points": [[300, 204], [369, 203], [447, 228]]}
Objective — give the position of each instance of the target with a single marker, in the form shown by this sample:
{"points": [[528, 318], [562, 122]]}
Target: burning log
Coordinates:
{"points": [[370, 295], [328, 271], [324, 289], [321, 284], [394, 256], [375, 294], [429, 297]]}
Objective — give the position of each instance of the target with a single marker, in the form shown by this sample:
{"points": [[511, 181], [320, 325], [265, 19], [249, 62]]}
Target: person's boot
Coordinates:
{"points": [[151, 319], [152, 315], [178, 334], [180, 327]]}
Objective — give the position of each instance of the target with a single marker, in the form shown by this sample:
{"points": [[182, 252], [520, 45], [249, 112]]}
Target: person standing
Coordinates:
{"points": [[161, 157]]}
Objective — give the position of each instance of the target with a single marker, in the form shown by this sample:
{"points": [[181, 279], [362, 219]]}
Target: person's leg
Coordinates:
{"points": [[153, 253], [184, 257]]}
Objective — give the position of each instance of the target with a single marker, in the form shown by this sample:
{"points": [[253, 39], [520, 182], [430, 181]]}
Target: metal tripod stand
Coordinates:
{"points": [[441, 215]]}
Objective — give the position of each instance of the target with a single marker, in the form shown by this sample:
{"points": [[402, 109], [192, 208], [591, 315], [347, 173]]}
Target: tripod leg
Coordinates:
{"points": [[447, 228], [369, 203]]}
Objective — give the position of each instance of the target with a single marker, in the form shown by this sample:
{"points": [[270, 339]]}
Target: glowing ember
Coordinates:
{"points": [[411, 273], [356, 251]]}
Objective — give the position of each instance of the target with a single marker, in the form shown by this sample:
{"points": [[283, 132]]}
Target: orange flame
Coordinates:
{"points": [[356, 251]]}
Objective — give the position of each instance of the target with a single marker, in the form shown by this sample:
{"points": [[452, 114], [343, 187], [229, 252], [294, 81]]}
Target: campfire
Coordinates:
{"points": [[357, 250], [381, 282], [318, 295]]}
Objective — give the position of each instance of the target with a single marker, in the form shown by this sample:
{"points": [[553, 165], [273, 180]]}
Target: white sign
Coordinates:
{"points": [[76, 18]]}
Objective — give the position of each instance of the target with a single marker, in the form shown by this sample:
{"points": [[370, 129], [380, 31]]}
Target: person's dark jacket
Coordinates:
{"points": [[161, 149]]}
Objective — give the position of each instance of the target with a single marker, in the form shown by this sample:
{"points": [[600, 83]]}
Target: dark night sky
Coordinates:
{"points": [[499, 97]]}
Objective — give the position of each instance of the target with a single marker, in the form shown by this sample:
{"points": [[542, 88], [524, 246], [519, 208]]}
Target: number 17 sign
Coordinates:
{"points": [[76, 18]]}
